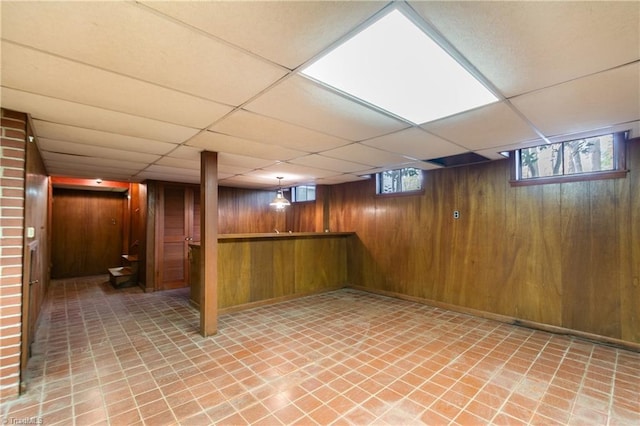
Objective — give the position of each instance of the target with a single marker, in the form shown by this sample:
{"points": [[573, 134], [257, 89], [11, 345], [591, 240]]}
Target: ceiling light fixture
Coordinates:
{"points": [[394, 65], [279, 203]]}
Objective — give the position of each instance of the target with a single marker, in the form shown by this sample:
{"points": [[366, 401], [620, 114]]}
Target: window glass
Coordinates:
{"points": [[541, 161], [400, 180], [596, 154], [304, 193], [589, 155]]}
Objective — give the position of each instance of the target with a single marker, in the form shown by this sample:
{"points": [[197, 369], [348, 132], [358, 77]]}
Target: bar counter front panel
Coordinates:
{"points": [[254, 268]]}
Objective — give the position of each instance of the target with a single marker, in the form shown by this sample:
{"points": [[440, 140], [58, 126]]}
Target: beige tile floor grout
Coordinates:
{"points": [[124, 357]]}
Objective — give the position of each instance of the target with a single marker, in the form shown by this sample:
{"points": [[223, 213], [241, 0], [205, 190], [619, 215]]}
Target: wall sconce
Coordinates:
{"points": [[279, 203]]}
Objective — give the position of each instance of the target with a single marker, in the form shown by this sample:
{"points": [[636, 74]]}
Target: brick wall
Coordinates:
{"points": [[12, 195]]}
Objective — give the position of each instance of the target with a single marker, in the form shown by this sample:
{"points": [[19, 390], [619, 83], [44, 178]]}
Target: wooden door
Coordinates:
{"points": [[87, 232], [30, 287], [178, 225]]}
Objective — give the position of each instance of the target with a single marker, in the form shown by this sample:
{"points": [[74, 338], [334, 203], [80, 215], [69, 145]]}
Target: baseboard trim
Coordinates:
{"points": [[256, 304]]}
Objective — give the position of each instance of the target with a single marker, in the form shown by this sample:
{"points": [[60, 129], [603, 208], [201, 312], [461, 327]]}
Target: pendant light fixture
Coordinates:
{"points": [[279, 203]]}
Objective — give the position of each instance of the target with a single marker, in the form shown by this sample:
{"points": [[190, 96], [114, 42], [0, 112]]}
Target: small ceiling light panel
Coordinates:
{"points": [[395, 66]]}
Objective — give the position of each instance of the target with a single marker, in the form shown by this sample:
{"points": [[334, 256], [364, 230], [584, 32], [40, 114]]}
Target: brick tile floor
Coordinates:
{"points": [[123, 357]]}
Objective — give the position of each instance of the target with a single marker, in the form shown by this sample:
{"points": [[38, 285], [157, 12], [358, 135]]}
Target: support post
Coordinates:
{"points": [[209, 243]]}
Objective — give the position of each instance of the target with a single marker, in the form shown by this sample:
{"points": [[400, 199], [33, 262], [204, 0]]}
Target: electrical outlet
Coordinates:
{"points": [[456, 214]]}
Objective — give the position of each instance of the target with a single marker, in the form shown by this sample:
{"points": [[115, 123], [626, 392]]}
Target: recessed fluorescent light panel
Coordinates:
{"points": [[394, 65]]}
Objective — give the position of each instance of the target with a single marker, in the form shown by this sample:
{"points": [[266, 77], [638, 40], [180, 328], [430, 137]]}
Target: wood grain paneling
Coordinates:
{"points": [[247, 211], [562, 254], [209, 198], [138, 215], [629, 248], [36, 252], [235, 274], [318, 263], [253, 269], [173, 233], [533, 282], [195, 226], [302, 217], [176, 223], [87, 232]]}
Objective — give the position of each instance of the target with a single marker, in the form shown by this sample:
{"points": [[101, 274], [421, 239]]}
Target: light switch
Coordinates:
{"points": [[31, 232]]}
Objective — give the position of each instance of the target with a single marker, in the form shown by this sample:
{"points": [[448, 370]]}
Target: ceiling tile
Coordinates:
{"points": [[300, 101], [186, 153], [232, 170], [179, 163], [293, 172], [367, 155], [414, 143], [67, 171], [83, 136], [82, 150], [94, 162], [248, 125], [48, 75], [243, 161], [224, 169], [230, 163], [244, 181], [592, 102], [494, 153], [422, 165], [218, 142], [334, 180], [170, 171], [94, 171], [288, 33], [327, 163], [74, 114], [132, 40], [149, 175], [486, 127], [524, 46]]}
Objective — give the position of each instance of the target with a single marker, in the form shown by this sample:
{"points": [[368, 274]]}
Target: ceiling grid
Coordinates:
{"points": [[136, 90]]}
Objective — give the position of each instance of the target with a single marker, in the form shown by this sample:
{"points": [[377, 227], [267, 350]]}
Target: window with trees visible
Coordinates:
{"points": [[303, 193], [593, 156], [401, 180]]}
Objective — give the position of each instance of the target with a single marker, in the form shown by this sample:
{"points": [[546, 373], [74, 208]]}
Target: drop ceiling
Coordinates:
{"points": [[132, 91]]}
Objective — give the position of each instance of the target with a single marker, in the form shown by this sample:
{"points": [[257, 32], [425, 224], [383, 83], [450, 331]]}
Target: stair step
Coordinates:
{"points": [[121, 271], [130, 257], [123, 276]]}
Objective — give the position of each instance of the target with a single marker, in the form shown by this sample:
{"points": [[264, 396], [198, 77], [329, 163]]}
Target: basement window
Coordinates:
{"points": [[407, 180], [598, 157], [303, 193]]}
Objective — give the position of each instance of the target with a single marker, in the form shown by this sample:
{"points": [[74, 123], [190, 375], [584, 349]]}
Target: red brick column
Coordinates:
{"points": [[12, 196]]}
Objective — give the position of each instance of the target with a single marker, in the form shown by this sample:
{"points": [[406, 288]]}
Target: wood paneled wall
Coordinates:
{"points": [[244, 211], [565, 255], [87, 232], [247, 211], [36, 216]]}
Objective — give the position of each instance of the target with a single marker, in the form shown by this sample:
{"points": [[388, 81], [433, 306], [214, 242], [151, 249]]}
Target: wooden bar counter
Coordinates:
{"points": [[255, 269]]}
